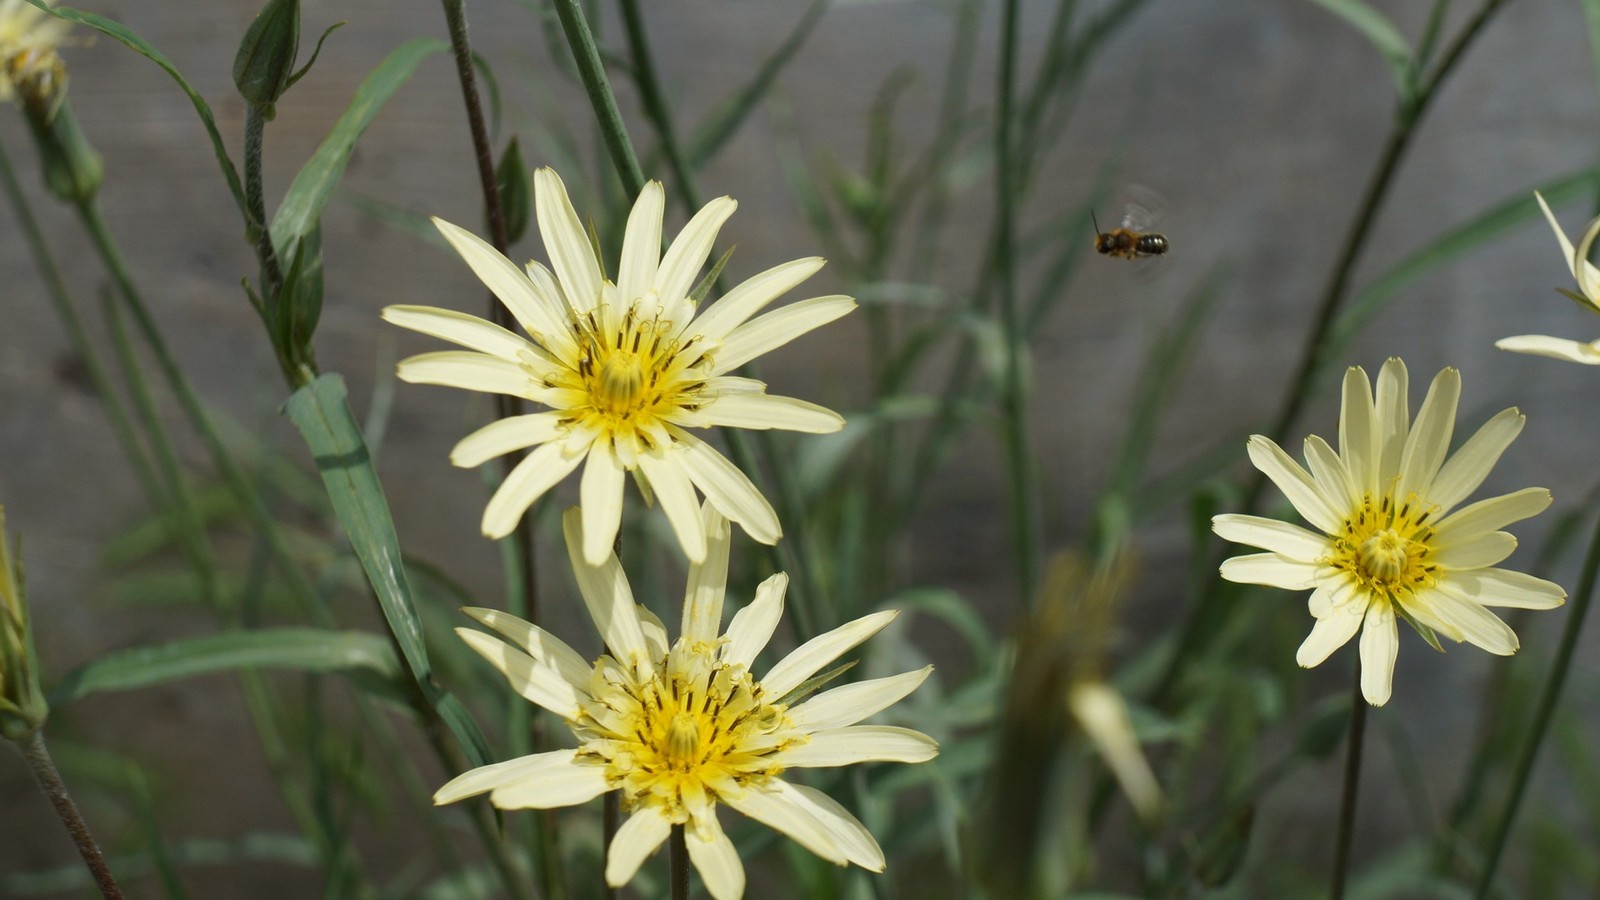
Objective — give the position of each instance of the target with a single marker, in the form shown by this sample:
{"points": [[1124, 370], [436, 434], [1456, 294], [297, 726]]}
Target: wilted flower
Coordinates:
{"points": [[1587, 296], [29, 37], [682, 727], [625, 367], [1390, 545]]}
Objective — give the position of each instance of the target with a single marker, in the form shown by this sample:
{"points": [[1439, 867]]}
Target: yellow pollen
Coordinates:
{"points": [[683, 739], [1385, 546], [1383, 555]]}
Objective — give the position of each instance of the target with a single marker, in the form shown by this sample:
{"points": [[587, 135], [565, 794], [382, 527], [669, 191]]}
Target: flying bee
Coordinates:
{"points": [[1133, 239]]}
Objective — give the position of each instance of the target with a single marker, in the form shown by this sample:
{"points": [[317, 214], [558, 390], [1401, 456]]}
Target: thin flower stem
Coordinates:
{"points": [[255, 126], [1020, 468], [592, 71], [1352, 783], [524, 562], [678, 851], [78, 337], [1543, 712], [1409, 115], [44, 772]]}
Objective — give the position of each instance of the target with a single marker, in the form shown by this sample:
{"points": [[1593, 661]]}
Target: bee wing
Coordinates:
{"points": [[1144, 208]]}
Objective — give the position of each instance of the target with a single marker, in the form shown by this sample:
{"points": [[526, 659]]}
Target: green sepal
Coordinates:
{"points": [[698, 295], [72, 168], [264, 66], [1425, 631]]}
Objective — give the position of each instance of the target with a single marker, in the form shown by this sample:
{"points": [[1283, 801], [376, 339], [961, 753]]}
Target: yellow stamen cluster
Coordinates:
{"points": [[632, 375], [1385, 547], [694, 725]]}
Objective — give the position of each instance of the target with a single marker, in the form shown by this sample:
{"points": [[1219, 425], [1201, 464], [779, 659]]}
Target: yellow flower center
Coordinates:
{"points": [[634, 374], [1385, 546], [694, 726]]}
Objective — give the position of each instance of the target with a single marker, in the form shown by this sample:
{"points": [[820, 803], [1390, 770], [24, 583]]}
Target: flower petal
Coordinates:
{"points": [[675, 492], [809, 658], [641, 244], [1477, 551], [1553, 347], [1358, 429], [762, 411], [1282, 538], [1429, 440], [1491, 514], [727, 488], [458, 328], [1568, 254], [608, 597], [538, 472], [851, 703], [638, 837], [774, 329], [487, 778], [1472, 621], [1470, 465], [708, 581], [1583, 270], [600, 497], [504, 436], [1379, 646], [1503, 587], [540, 644], [1295, 483], [571, 254], [752, 627], [1329, 634], [847, 831], [1393, 416], [858, 744], [777, 809], [1271, 570], [681, 265], [1331, 475], [715, 858], [554, 788], [534, 311], [470, 371], [751, 296], [536, 682]]}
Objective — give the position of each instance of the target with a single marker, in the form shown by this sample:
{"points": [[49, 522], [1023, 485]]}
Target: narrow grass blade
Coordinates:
{"points": [[301, 649], [1383, 35]]}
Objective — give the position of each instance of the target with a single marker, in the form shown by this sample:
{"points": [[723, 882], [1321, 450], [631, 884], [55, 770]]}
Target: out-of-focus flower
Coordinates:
{"points": [[1587, 296], [22, 705], [626, 368], [680, 728], [29, 37], [1390, 545]]}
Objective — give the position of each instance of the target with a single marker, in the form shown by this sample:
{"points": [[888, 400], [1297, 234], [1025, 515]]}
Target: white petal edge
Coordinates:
{"points": [[553, 789], [457, 328], [848, 833], [1469, 466], [1429, 440], [675, 492], [537, 683], [608, 596], [641, 244], [1282, 538], [504, 436], [809, 658], [537, 314], [1271, 570], [1329, 634], [639, 836], [1552, 347], [1392, 404], [487, 778], [1379, 647], [681, 264], [715, 858], [538, 472], [850, 703], [751, 296], [470, 371], [538, 643], [727, 488], [1492, 514], [774, 329], [1476, 551], [1508, 588], [752, 627], [708, 581], [571, 254], [858, 744], [766, 411], [776, 809], [1295, 482], [600, 498]]}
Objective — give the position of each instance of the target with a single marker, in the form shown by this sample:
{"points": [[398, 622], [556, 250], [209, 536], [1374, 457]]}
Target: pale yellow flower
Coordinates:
{"points": [[681, 728], [626, 368], [1588, 294], [29, 37], [1390, 544]]}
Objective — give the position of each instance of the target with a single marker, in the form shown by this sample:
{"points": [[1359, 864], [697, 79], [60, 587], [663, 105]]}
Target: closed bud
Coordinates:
{"points": [[22, 705], [72, 168], [264, 67]]}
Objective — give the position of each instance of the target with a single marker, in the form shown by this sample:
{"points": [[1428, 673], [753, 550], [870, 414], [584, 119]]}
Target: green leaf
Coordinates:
{"points": [[321, 410], [516, 197], [301, 649], [314, 184], [116, 31], [1383, 35]]}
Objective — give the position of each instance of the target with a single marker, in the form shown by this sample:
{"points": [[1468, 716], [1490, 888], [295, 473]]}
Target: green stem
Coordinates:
{"points": [[592, 72], [44, 772], [1352, 783], [1020, 468], [1543, 712], [678, 852], [1410, 113], [78, 337], [255, 126]]}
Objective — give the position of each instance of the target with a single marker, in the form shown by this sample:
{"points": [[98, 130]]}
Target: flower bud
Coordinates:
{"points": [[264, 66], [22, 705], [72, 168]]}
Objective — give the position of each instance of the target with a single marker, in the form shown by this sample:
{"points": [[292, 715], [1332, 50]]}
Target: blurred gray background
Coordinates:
{"points": [[1257, 120]]}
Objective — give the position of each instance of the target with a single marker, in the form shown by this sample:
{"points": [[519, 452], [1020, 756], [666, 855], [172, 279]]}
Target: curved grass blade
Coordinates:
{"points": [[300, 649], [321, 411], [313, 186], [1383, 35], [116, 31]]}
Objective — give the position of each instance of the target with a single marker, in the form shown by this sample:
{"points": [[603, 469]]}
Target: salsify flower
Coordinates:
{"points": [[1390, 545], [683, 727], [1587, 296], [626, 368], [29, 37]]}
